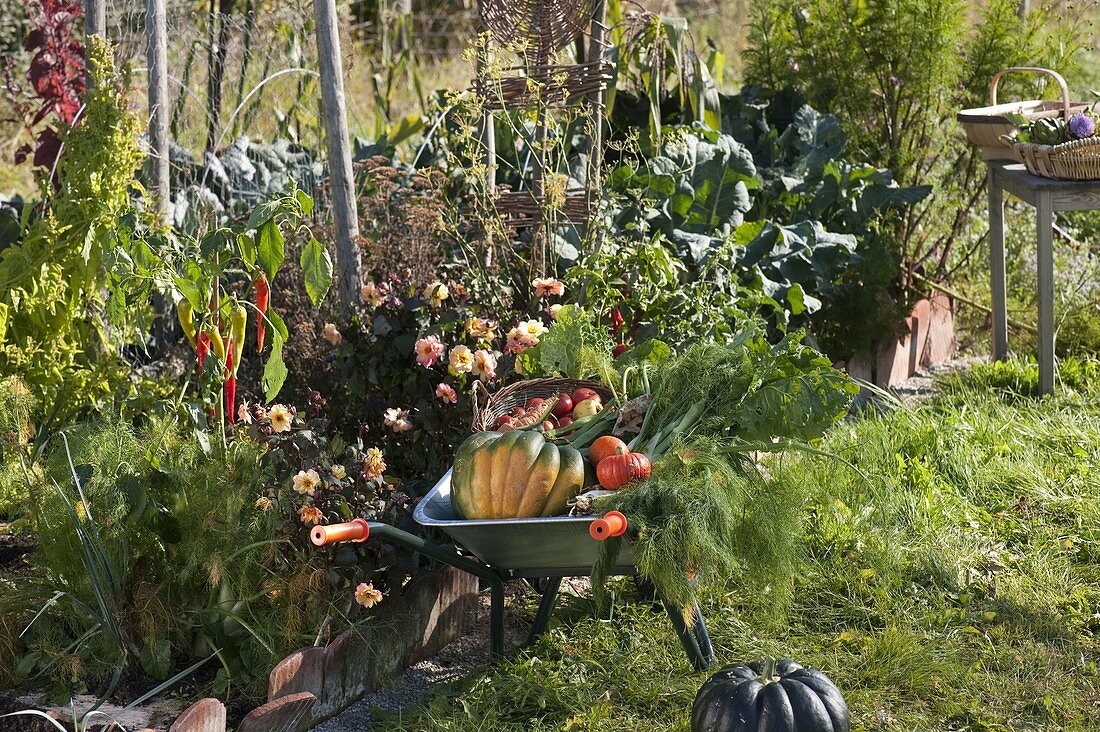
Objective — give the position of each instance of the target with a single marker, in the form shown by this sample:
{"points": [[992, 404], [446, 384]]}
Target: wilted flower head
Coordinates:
{"points": [[548, 287], [374, 464], [485, 365], [481, 328], [330, 334], [518, 342], [373, 295], [367, 596], [435, 293], [461, 360], [244, 413], [306, 482], [555, 309], [264, 503], [281, 418], [446, 392], [397, 419], [1081, 126], [310, 515], [429, 350]]}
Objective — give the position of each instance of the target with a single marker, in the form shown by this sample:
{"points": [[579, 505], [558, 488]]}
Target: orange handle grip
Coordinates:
{"points": [[354, 530], [612, 524]]}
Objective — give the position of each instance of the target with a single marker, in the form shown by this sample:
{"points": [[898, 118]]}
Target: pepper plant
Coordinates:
{"points": [[222, 280]]}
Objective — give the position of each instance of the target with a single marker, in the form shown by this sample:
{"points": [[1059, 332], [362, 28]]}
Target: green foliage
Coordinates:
{"points": [[317, 478], [777, 160], [575, 346], [16, 434], [702, 517], [952, 586], [748, 390], [217, 273], [895, 73], [53, 283], [163, 557]]}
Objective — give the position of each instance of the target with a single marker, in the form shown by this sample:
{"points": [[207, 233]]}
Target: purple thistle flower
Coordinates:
{"points": [[1081, 126]]}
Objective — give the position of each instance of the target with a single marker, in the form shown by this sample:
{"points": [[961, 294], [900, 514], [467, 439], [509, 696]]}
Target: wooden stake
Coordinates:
{"points": [[95, 24], [156, 29], [349, 268]]}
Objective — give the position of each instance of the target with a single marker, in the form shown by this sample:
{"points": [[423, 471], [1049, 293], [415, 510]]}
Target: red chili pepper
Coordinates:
{"points": [[202, 345], [230, 386], [616, 320], [263, 299], [619, 350]]}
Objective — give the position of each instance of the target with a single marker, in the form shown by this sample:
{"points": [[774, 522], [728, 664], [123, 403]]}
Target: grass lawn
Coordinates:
{"points": [[956, 587]]}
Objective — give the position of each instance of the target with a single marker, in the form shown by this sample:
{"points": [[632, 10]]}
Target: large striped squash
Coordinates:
{"points": [[515, 474]]}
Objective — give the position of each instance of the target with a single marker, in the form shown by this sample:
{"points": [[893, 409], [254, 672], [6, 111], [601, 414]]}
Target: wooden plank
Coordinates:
{"points": [[1045, 244], [349, 267], [1066, 195], [302, 670], [156, 29], [997, 266], [205, 715], [291, 713]]}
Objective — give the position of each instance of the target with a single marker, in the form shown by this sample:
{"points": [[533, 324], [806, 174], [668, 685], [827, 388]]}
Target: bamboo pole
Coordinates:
{"points": [[156, 28], [349, 267], [487, 133]]}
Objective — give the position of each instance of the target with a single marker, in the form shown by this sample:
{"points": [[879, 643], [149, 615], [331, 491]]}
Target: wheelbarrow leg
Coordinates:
{"points": [[695, 639], [702, 637], [546, 608], [496, 619]]}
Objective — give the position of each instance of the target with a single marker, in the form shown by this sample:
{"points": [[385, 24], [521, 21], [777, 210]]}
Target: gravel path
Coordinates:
{"points": [[922, 385], [461, 659]]}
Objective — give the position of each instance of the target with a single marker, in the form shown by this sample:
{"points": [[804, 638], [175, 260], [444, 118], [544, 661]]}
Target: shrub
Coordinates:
{"points": [[167, 552], [895, 73], [53, 284]]}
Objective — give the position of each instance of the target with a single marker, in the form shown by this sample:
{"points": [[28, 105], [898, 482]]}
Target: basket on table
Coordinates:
{"points": [[1073, 160], [488, 408], [987, 127]]}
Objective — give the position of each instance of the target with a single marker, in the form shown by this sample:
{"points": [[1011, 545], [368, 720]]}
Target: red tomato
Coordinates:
{"points": [[547, 426], [502, 419], [507, 425], [565, 421], [518, 412], [564, 405], [535, 404], [583, 393]]}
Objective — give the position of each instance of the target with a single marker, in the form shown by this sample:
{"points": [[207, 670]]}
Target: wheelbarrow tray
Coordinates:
{"points": [[528, 547]]}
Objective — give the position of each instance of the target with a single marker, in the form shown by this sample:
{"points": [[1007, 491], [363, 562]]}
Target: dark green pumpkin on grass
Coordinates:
{"points": [[769, 696], [515, 474]]}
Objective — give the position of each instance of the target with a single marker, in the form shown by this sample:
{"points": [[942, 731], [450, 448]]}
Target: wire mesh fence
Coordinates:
{"points": [[243, 87]]}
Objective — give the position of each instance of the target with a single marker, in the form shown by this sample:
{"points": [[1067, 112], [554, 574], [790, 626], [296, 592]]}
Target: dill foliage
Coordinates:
{"points": [[705, 515]]}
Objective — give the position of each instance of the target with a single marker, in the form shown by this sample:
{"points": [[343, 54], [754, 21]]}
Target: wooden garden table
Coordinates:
{"points": [[1047, 195]]}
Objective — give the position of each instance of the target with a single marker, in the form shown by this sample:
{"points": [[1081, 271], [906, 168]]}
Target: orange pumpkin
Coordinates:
{"points": [[605, 447], [617, 471]]}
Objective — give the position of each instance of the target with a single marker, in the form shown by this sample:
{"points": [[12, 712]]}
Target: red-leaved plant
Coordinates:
{"points": [[56, 75]]}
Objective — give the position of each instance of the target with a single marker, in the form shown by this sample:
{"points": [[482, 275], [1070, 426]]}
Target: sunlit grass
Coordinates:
{"points": [[955, 589]]}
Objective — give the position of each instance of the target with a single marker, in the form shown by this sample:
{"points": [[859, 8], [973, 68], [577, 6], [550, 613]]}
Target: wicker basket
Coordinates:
{"points": [[987, 127], [487, 408], [1073, 160]]}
